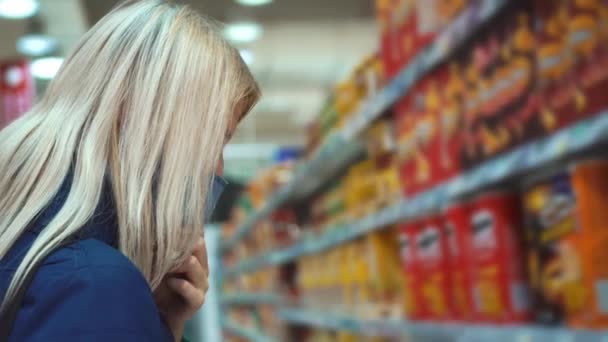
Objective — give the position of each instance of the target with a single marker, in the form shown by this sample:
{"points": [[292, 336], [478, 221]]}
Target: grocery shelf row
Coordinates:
{"points": [[430, 331], [251, 298], [337, 154], [520, 160], [340, 148], [249, 334]]}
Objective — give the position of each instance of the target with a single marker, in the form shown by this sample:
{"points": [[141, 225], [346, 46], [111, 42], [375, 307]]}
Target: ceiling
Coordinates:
{"points": [[306, 46]]}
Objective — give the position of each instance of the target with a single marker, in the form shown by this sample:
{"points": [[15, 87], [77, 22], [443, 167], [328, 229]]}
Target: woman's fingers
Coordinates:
{"points": [[193, 271], [193, 296], [200, 252]]}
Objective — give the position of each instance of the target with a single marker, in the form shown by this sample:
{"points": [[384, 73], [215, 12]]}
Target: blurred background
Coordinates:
{"points": [[416, 170]]}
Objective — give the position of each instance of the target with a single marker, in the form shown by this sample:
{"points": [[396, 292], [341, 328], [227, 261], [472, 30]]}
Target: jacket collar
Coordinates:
{"points": [[102, 226]]}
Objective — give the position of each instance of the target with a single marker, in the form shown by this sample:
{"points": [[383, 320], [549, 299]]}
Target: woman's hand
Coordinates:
{"points": [[182, 292]]}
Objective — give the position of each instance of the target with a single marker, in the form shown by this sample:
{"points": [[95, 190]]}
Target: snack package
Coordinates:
{"points": [[412, 290], [500, 101], [566, 237], [500, 291], [405, 123], [380, 138], [588, 41], [559, 101], [432, 253], [384, 275], [458, 233], [590, 188], [451, 121], [421, 138]]}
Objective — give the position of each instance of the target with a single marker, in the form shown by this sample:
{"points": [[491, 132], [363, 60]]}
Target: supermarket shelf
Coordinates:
{"points": [[440, 331], [463, 27], [251, 299], [247, 333], [327, 162], [520, 160], [339, 149]]}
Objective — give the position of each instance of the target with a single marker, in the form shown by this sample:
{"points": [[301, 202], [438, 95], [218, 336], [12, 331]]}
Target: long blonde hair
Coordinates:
{"points": [[145, 98]]}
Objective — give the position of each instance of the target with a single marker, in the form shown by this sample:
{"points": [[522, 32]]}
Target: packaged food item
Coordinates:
{"points": [[514, 81], [451, 121], [360, 190], [412, 290], [432, 253], [566, 235], [408, 26], [500, 104], [405, 123], [405, 14], [420, 139], [431, 17], [384, 275], [588, 39], [590, 187], [380, 138], [554, 242], [428, 131], [557, 91], [500, 290], [361, 286], [389, 185], [458, 231], [389, 35]]}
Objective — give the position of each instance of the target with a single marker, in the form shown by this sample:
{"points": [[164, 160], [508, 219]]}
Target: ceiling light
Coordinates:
{"points": [[254, 2], [36, 45], [46, 68], [247, 56], [243, 32], [18, 9]]}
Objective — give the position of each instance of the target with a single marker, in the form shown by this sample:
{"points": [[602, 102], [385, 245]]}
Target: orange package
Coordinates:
{"points": [[591, 189], [566, 217]]}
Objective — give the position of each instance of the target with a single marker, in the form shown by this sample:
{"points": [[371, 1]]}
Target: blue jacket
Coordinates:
{"points": [[87, 291]]}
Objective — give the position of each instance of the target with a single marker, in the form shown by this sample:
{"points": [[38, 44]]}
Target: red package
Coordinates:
{"points": [[500, 290], [408, 44], [389, 49], [458, 232], [411, 272], [427, 107], [398, 42], [17, 90], [432, 253]]}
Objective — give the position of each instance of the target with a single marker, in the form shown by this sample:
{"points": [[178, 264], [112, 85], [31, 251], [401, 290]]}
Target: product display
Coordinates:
{"points": [[400, 240], [362, 277], [566, 266]]}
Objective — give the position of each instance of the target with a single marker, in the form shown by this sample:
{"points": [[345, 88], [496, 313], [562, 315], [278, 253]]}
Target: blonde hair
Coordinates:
{"points": [[145, 98]]}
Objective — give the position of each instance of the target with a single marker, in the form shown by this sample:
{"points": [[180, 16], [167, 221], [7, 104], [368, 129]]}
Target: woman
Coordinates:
{"points": [[105, 182]]}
